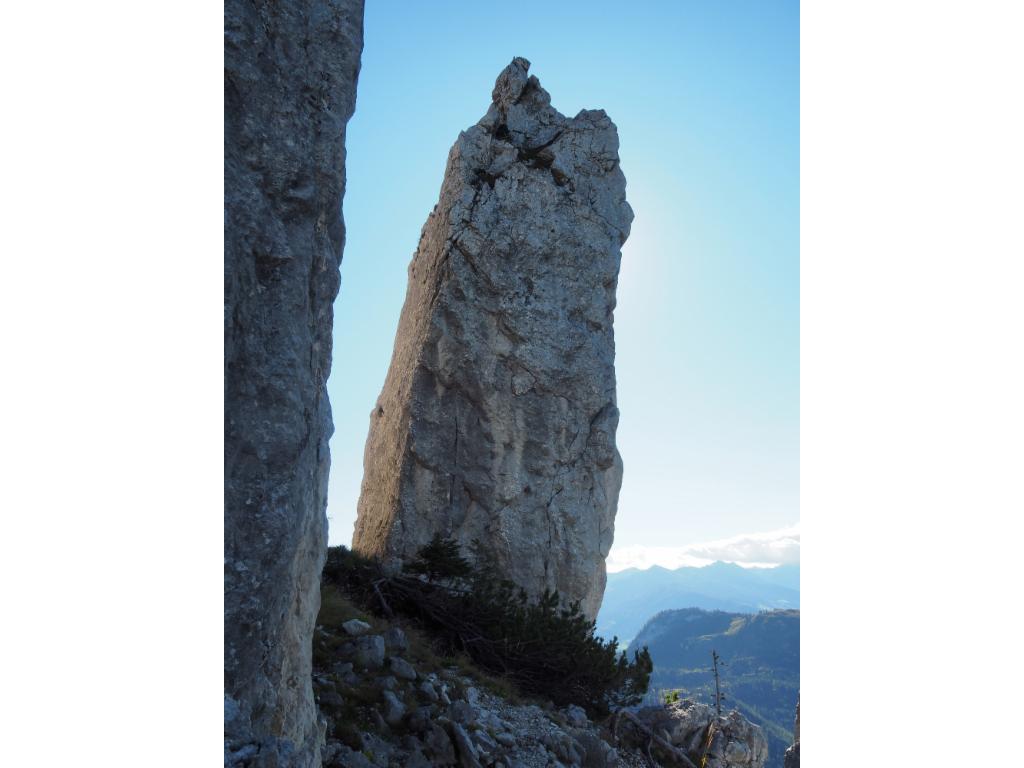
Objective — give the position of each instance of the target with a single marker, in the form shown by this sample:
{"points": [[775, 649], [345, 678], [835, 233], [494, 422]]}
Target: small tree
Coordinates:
{"points": [[716, 660], [440, 559]]}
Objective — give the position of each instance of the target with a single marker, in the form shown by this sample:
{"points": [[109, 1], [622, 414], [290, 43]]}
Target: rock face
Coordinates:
{"points": [[792, 757], [497, 419], [290, 71], [734, 741]]}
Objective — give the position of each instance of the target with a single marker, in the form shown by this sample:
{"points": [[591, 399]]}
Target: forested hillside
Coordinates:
{"points": [[633, 596], [761, 675]]}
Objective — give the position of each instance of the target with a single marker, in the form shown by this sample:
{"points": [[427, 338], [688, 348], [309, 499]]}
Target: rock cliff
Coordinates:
{"points": [[792, 757], [497, 418], [290, 70]]}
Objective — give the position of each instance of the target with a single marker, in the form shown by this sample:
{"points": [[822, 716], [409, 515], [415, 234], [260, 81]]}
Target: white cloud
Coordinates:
{"points": [[751, 550]]}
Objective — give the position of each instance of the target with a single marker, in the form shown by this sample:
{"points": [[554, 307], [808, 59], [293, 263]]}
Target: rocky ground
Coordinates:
{"points": [[387, 700]]}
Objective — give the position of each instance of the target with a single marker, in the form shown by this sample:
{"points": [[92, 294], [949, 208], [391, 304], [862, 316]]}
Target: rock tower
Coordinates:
{"points": [[290, 69], [497, 419]]}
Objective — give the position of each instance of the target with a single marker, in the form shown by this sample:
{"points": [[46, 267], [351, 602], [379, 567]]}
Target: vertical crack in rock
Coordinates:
{"points": [[505, 345], [290, 70]]}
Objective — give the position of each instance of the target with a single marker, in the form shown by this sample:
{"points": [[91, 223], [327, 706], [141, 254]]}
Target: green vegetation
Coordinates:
{"points": [[543, 648]]}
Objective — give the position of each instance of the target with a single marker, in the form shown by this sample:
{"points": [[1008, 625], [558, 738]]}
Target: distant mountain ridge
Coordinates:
{"points": [[761, 672], [633, 596]]}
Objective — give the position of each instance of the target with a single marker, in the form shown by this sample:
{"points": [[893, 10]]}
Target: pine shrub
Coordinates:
{"points": [[545, 648]]}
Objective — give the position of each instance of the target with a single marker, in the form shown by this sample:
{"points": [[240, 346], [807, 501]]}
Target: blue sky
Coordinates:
{"points": [[706, 99]]}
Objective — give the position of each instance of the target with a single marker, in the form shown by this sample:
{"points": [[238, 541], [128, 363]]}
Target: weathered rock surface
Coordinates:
{"points": [[792, 757], [734, 741], [290, 70], [497, 419]]}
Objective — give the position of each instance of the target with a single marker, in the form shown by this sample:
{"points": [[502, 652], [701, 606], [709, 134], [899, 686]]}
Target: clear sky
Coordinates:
{"points": [[706, 98]]}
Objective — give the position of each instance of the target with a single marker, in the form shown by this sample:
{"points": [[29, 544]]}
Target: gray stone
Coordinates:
{"points": [[484, 742], [428, 691], [396, 640], [355, 627], [497, 419], [401, 668], [378, 721], [438, 745], [468, 756], [331, 698], [737, 753], [505, 738], [290, 70], [420, 719], [463, 712], [370, 652], [394, 709], [576, 716]]}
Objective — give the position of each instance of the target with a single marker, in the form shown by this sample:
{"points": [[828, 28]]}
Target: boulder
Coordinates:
{"points": [[370, 652], [735, 742], [394, 709], [401, 668], [355, 627], [395, 640], [468, 756]]}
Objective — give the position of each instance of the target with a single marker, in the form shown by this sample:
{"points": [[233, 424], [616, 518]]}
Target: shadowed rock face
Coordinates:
{"points": [[725, 741], [290, 71], [792, 756], [497, 419]]}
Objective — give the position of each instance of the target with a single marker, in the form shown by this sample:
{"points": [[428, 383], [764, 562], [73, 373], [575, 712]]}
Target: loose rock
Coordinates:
{"points": [[395, 640], [401, 668], [394, 710], [370, 652], [468, 757], [355, 627]]}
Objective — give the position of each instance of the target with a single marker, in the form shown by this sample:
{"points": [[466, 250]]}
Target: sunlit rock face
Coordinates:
{"points": [[290, 69], [497, 419]]}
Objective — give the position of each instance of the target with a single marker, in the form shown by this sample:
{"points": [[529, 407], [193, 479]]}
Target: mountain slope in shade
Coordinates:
{"points": [[761, 672], [634, 596]]}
